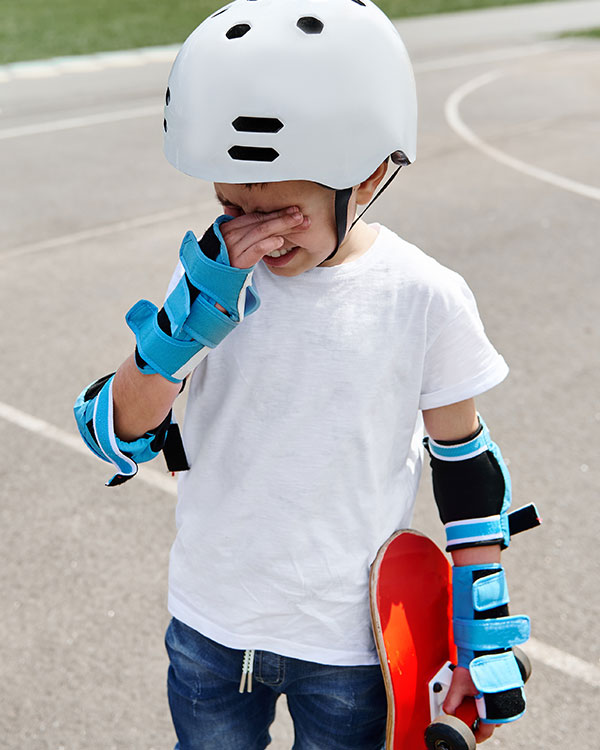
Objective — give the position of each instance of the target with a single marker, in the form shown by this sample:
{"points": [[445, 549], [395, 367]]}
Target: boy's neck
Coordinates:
{"points": [[357, 243]]}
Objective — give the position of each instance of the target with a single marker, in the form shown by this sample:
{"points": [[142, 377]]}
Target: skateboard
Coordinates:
{"points": [[411, 613]]}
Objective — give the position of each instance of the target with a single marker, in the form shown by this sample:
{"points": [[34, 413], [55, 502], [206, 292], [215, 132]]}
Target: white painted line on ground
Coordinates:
{"points": [[85, 121], [553, 657], [493, 55], [39, 427], [107, 229], [454, 119], [570, 665]]}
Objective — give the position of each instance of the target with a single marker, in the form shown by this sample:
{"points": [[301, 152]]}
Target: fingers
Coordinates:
{"points": [[484, 732], [246, 231], [460, 687], [244, 220], [250, 237]]}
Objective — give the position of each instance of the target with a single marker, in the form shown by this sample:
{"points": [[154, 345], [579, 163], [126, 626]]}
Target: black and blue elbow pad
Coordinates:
{"points": [[472, 489]]}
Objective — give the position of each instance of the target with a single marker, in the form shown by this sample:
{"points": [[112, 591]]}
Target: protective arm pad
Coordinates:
{"points": [[94, 416], [484, 634], [472, 489], [174, 340]]}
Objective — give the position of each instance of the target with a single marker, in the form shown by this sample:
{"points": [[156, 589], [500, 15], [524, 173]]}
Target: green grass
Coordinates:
{"points": [[584, 32], [36, 29]]}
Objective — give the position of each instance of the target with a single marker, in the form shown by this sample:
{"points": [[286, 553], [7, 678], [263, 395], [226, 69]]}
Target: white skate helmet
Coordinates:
{"points": [[273, 90]]}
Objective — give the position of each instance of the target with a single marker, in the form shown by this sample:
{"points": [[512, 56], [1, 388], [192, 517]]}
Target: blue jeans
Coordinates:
{"points": [[333, 708]]}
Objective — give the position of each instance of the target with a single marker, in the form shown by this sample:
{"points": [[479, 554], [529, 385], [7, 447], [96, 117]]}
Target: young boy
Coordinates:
{"points": [[316, 346]]}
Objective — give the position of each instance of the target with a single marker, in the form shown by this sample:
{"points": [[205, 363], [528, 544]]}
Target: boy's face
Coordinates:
{"points": [[309, 241]]}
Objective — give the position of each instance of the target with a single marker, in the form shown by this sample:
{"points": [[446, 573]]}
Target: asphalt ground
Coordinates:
{"points": [[505, 190]]}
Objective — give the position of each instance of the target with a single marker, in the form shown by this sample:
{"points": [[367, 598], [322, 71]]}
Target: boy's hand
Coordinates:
{"points": [[249, 237], [209, 300], [461, 687]]}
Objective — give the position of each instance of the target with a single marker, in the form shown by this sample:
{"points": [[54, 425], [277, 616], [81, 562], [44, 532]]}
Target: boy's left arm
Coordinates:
{"points": [[472, 491]]}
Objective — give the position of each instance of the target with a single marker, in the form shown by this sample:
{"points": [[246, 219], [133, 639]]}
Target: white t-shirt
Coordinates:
{"points": [[303, 430]]}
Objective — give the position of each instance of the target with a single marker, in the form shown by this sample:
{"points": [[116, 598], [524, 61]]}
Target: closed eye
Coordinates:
{"points": [[228, 206], [230, 209]]}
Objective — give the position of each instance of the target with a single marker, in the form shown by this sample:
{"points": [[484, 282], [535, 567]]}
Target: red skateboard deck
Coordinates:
{"points": [[411, 611]]}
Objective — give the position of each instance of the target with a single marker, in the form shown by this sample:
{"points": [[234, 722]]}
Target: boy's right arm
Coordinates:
{"points": [[141, 402], [125, 418]]}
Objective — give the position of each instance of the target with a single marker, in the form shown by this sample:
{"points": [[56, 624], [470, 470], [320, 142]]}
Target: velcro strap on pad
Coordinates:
{"points": [[140, 450], [490, 591], [474, 531], [488, 635], [218, 280], [462, 587], [162, 352], [494, 673], [206, 324]]}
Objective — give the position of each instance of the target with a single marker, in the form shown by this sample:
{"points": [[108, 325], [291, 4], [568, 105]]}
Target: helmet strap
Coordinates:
{"points": [[342, 198]]}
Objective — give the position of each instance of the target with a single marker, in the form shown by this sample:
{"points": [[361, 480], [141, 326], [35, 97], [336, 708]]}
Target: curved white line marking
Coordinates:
{"points": [[452, 113], [551, 656]]}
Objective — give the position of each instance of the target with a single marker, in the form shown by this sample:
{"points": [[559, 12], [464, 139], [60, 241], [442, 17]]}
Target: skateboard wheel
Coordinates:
{"points": [[523, 662], [449, 733]]}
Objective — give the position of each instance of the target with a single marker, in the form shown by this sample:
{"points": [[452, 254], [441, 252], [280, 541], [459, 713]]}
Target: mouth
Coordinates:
{"points": [[280, 257]]}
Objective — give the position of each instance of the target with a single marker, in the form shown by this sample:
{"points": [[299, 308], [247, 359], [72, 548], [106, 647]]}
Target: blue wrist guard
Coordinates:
{"points": [[175, 339], [472, 489], [94, 416], [484, 634]]}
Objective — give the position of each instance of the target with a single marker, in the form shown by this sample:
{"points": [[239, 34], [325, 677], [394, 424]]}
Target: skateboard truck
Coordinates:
{"points": [[438, 689]]}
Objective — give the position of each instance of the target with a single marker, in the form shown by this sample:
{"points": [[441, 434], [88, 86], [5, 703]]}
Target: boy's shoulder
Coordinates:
{"points": [[422, 285], [408, 264]]}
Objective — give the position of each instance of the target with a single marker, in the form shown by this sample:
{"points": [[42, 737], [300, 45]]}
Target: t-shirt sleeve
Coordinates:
{"points": [[460, 361]]}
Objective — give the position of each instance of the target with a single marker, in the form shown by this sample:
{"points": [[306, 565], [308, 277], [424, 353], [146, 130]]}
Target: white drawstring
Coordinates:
{"points": [[247, 669]]}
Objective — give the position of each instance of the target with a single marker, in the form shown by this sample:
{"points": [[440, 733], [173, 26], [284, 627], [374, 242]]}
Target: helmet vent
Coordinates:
{"points": [[168, 97], [310, 25], [359, 2], [165, 125], [252, 153], [235, 32], [218, 13], [257, 124]]}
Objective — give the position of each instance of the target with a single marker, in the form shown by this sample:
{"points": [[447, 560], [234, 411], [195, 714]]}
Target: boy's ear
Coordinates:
{"points": [[367, 188]]}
